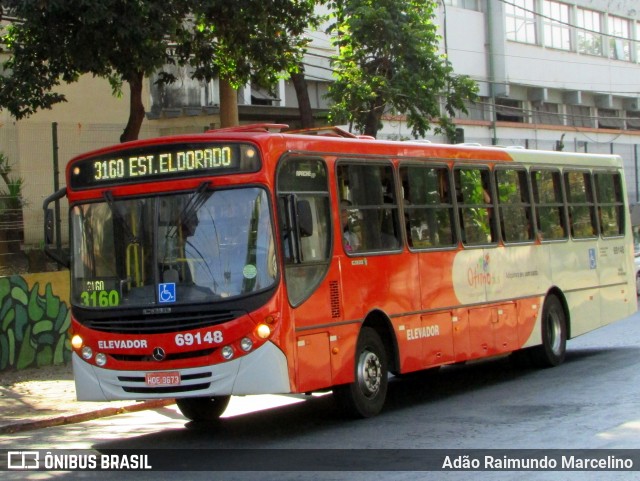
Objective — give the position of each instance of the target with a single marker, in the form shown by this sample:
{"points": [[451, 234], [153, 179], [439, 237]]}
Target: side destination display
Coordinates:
{"points": [[159, 162]]}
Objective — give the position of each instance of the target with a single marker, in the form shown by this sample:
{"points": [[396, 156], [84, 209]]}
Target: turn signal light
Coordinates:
{"points": [[76, 342], [263, 331]]}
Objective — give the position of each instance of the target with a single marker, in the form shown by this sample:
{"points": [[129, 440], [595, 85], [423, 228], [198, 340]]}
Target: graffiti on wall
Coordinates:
{"points": [[33, 325]]}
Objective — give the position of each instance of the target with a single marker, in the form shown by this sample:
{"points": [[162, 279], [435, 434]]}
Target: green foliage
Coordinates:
{"points": [[245, 39], [57, 41], [33, 328], [11, 194], [388, 59]]}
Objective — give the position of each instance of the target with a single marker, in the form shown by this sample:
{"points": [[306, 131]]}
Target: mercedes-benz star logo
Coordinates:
{"points": [[159, 354]]}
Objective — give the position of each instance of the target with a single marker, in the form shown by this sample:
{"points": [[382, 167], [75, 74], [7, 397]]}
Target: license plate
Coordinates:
{"points": [[171, 378]]}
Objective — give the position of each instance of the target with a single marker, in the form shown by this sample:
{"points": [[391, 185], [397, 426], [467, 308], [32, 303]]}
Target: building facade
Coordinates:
{"points": [[561, 75]]}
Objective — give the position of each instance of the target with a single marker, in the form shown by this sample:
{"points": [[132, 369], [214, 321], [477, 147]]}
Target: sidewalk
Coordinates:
{"points": [[40, 397]]}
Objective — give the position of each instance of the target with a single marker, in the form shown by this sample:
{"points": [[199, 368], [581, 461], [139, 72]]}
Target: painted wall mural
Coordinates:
{"points": [[34, 321]]}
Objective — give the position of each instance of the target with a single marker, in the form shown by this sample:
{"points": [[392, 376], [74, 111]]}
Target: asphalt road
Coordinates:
{"points": [[592, 401]]}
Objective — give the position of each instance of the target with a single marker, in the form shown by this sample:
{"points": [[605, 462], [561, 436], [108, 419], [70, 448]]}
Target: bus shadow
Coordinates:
{"points": [[464, 378], [269, 427]]}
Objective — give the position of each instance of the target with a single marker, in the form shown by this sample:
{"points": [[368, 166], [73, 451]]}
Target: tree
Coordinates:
{"points": [[58, 41], [245, 40], [388, 59], [126, 41]]}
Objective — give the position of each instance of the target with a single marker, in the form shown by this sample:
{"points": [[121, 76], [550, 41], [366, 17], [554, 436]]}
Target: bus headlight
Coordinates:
{"points": [[87, 353], [227, 352], [246, 344], [101, 359]]}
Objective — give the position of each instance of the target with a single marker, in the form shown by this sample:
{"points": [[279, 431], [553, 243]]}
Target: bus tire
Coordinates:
{"points": [[554, 335], [203, 408], [365, 397]]}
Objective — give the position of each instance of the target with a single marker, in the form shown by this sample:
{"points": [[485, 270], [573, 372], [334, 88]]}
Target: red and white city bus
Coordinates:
{"points": [[252, 260]]}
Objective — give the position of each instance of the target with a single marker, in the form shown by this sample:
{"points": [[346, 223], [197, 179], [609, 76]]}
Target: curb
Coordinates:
{"points": [[86, 416]]}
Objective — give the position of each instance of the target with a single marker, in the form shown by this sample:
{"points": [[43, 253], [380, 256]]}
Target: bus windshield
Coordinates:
{"points": [[196, 247]]}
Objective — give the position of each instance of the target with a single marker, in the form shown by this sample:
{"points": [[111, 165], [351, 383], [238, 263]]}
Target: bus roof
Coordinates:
{"points": [[334, 140]]}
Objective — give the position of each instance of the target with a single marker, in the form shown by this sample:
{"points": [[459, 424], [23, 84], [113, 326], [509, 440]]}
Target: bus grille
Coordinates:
{"points": [[160, 323], [167, 389], [169, 357]]}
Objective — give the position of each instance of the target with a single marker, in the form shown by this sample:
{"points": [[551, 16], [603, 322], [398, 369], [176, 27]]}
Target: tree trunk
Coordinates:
{"points": [[228, 104], [136, 108], [373, 118], [304, 104]]}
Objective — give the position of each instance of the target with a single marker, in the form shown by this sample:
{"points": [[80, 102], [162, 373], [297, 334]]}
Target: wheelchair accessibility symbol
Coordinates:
{"points": [[167, 292]]}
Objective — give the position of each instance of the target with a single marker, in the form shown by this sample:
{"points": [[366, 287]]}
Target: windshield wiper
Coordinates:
{"points": [[131, 237], [197, 200]]}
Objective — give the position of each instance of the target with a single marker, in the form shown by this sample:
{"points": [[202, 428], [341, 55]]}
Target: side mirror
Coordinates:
{"points": [[305, 218]]}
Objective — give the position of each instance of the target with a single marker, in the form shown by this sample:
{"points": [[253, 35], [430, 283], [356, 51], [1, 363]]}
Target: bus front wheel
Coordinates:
{"points": [[203, 408], [554, 335], [366, 395]]}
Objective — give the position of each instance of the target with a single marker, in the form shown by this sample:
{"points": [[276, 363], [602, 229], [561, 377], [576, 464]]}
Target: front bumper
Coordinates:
{"points": [[264, 371]]}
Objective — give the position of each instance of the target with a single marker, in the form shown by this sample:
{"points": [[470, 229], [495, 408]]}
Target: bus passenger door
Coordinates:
{"points": [[310, 276]]}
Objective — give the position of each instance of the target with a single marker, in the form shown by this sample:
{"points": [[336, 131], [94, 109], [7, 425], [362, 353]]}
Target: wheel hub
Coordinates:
{"points": [[370, 373]]}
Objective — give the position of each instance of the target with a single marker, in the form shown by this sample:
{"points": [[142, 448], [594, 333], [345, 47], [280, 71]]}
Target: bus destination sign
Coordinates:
{"points": [[163, 162]]}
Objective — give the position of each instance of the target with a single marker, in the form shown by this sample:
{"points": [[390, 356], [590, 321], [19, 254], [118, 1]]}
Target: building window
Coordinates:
{"points": [[466, 4], [508, 110], [637, 42], [609, 119], [520, 21], [546, 113], [589, 33], [475, 110], [557, 33], [579, 116], [620, 38], [633, 120]]}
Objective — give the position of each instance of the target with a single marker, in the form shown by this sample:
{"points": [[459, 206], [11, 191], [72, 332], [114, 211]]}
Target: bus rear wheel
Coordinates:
{"points": [[365, 396], [203, 408], [554, 335]]}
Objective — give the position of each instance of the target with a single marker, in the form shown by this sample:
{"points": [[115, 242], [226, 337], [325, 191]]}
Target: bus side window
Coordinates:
{"points": [[582, 215], [514, 205], [610, 203], [368, 196], [549, 205], [428, 207], [473, 191]]}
